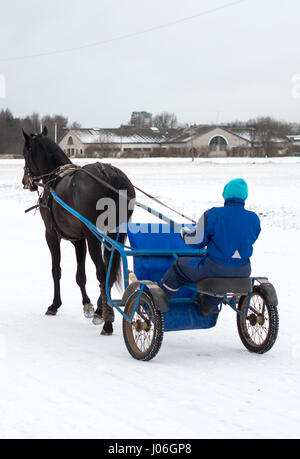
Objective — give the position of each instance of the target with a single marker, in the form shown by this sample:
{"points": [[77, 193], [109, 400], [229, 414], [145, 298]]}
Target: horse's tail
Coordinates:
{"points": [[119, 181], [115, 278]]}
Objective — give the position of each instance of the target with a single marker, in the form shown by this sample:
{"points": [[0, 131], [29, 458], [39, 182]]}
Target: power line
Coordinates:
{"points": [[124, 37]]}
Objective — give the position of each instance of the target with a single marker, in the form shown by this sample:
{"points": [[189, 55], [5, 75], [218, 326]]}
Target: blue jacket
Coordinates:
{"points": [[228, 232]]}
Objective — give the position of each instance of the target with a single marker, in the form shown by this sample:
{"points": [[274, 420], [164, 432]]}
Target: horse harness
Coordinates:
{"points": [[53, 178], [46, 200]]}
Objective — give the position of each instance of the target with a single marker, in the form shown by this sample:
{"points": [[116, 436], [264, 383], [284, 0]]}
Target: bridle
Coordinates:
{"points": [[36, 178], [28, 170]]}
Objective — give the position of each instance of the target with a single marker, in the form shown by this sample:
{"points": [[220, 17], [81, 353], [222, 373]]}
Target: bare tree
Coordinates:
{"points": [[165, 120], [266, 130], [60, 121], [263, 132], [11, 138], [75, 125]]}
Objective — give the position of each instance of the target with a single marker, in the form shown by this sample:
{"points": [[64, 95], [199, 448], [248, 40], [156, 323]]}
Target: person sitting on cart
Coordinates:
{"points": [[229, 233]]}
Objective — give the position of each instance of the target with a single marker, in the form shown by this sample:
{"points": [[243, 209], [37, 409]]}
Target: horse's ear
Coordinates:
{"points": [[45, 131], [26, 137]]}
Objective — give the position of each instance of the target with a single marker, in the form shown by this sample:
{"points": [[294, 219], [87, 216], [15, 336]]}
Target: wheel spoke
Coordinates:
{"points": [[256, 328], [142, 338]]}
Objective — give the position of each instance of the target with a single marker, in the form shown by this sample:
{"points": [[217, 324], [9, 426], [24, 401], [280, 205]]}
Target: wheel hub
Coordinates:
{"points": [[142, 325], [260, 319], [252, 319], [256, 319]]}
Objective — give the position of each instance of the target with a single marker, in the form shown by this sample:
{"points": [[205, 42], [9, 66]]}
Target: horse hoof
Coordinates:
{"points": [[97, 319], [88, 311], [107, 329], [106, 333], [51, 312]]}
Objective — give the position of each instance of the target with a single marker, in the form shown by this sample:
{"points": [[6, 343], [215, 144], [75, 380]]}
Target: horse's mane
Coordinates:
{"points": [[55, 155]]}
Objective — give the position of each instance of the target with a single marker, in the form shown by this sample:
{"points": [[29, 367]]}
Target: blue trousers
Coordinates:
{"points": [[190, 270]]}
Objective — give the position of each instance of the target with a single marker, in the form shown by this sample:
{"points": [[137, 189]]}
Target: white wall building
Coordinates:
{"points": [[217, 140], [125, 140]]}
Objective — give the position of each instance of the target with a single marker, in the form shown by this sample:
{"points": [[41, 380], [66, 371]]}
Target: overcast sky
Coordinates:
{"points": [[234, 63]]}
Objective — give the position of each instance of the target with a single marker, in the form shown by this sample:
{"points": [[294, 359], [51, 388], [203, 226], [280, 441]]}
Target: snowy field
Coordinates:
{"points": [[60, 379]]}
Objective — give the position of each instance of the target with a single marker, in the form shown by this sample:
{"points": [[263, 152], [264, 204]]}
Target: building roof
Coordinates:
{"points": [[242, 133], [123, 135], [294, 138], [185, 135], [132, 135], [193, 132]]}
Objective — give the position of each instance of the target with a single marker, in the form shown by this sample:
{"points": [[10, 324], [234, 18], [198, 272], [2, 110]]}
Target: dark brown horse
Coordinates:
{"points": [[43, 160]]}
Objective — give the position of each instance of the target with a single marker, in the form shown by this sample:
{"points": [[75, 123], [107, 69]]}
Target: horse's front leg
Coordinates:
{"points": [[54, 246], [80, 248]]}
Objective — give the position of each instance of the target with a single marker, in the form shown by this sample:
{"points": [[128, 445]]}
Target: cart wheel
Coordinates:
{"points": [[144, 335], [258, 331]]}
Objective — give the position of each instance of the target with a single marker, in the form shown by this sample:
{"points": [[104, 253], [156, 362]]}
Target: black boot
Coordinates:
{"points": [[206, 310]]}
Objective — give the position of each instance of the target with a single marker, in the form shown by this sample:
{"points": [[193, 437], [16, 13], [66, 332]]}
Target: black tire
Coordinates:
{"points": [[258, 333], [143, 337]]}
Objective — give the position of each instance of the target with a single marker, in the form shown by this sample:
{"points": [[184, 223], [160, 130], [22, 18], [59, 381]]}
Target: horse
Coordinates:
{"points": [[79, 188]]}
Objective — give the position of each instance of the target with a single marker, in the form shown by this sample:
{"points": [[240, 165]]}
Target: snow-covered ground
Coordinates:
{"points": [[60, 379]]}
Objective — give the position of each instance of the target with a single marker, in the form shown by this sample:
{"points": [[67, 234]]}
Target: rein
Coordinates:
{"points": [[34, 178], [35, 181], [164, 205]]}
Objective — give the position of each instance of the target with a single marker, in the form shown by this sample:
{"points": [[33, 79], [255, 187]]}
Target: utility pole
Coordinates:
{"points": [[55, 132]]}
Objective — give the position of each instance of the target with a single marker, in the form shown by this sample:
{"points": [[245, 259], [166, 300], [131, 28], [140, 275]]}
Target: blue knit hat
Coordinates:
{"points": [[237, 188]]}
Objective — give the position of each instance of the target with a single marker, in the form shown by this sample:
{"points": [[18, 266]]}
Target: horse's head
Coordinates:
{"points": [[31, 169]]}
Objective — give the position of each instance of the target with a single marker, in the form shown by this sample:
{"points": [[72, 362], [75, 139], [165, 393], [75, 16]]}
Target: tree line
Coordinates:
{"points": [[162, 121], [11, 138], [263, 131]]}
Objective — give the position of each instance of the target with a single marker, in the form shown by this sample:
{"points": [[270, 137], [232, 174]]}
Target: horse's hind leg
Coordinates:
{"points": [[114, 271], [96, 255], [54, 246], [80, 248]]}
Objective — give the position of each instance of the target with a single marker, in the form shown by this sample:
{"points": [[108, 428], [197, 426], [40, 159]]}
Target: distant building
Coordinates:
{"points": [[294, 139], [115, 142], [207, 140], [129, 140], [141, 120]]}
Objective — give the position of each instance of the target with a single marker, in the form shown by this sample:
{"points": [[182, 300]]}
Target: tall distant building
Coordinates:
{"points": [[141, 120]]}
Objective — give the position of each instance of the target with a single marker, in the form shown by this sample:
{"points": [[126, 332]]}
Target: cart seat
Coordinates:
{"points": [[222, 285]]}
